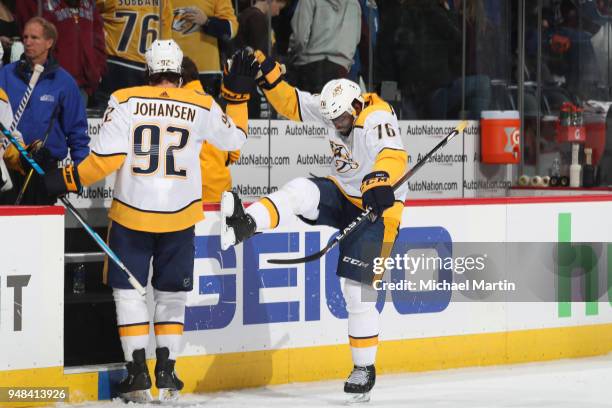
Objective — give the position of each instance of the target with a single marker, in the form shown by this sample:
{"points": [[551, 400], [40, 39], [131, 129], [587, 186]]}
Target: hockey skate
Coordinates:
{"points": [[360, 383], [136, 387], [166, 381], [236, 225]]}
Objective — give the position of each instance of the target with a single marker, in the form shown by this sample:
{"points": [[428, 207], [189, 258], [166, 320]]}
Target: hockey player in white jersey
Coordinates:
{"points": [[152, 136], [368, 157]]}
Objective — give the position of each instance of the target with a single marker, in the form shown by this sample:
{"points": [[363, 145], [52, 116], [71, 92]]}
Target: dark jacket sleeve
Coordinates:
{"points": [[73, 121]]}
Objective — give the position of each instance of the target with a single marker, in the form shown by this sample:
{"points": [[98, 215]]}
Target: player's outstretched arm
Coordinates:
{"points": [[107, 154], [287, 100]]}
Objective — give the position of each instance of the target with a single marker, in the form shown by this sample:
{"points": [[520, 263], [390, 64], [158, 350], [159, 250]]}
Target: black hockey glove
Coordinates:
{"points": [[270, 72], [376, 192], [40, 154], [59, 182], [239, 76]]}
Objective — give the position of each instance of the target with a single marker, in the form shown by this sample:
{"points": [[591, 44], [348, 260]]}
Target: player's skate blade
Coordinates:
{"points": [[168, 395], [166, 380], [139, 397], [358, 398]]}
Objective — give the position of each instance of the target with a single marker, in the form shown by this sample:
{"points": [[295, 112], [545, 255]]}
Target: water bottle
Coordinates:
{"points": [[78, 280]]}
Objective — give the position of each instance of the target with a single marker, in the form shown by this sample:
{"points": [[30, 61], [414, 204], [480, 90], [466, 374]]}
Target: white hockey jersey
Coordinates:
{"points": [[153, 137], [374, 143]]}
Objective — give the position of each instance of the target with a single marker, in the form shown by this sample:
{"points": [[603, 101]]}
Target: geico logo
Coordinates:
{"points": [[314, 296], [355, 262]]}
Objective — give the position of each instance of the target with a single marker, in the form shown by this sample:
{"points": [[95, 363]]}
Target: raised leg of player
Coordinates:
{"points": [[300, 196]]}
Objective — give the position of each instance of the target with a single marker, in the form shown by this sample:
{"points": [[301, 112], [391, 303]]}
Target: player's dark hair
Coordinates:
{"points": [[157, 78], [190, 70]]}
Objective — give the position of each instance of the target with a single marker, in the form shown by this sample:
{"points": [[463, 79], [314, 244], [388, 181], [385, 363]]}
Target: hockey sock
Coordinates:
{"points": [[300, 196], [132, 320], [169, 320], [363, 322]]}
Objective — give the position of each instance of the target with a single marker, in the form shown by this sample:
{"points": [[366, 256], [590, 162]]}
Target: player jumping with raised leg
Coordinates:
{"points": [[368, 157]]}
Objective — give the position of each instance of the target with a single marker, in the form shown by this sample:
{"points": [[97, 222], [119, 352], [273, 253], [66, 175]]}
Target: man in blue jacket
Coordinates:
{"points": [[55, 108]]}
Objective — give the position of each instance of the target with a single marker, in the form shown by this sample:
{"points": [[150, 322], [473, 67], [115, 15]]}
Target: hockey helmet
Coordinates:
{"points": [[164, 56], [339, 96]]}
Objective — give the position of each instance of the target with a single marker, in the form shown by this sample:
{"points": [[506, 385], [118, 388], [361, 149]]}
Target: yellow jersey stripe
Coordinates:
{"points": [[180, 95], [363, 342], [272, 210], [138, 329], [152, 221], [162, 329]]}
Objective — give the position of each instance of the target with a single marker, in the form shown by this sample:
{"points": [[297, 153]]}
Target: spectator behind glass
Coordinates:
{"points": [[80, 48], [253, 25], [129, 30], [573, 57], [325, 37], [445, 103], [369, 17], [418, 48], [8, 28], [214, 163], [253, 32], [55, 101], [199, 26]]}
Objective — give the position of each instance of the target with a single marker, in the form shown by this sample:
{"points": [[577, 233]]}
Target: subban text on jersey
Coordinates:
{"points": [[165, 109], [138, 3]]}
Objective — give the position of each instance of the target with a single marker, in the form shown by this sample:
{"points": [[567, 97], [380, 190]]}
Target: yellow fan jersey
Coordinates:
{"points": [[130, 26], [201, 47], [153, 137]]}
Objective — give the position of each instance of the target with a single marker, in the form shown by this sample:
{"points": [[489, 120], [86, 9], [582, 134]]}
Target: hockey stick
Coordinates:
{"points": [[364, 215], [133, 281], [27, 180], [38, 69]]}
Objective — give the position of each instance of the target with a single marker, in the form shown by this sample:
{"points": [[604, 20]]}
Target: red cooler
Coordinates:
{"points": [[595, 124], [500, 137]]}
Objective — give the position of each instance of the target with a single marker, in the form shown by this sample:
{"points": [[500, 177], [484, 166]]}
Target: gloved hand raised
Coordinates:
{"points": [[239, 76]]}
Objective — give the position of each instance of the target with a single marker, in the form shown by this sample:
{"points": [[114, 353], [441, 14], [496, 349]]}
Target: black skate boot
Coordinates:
{"points": [[136, 387], [359, 383], [166, 380], [236, 225]]}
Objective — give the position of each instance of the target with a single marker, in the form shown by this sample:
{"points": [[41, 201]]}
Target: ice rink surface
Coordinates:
{"points": [[578, 383]]}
